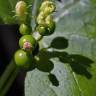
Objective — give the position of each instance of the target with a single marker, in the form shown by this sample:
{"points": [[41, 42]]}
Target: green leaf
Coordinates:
{"points": [[66, 65], [6, 8]]}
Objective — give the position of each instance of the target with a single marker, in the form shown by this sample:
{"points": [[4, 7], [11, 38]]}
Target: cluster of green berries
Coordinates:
{"points": [[28, 42], [45, 23]]}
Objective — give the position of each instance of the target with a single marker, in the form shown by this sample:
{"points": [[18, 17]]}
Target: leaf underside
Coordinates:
{"points": [[67, 63]]}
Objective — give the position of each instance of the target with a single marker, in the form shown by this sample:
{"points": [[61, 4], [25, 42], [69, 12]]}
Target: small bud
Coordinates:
{"points": [[50, 24], [48, 7], [41, 18], [20, 8], [24, 30]]}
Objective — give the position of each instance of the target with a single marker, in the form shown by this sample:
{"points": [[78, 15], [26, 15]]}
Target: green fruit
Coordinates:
{"points": [[27, 41], [22, 59], [46, 30], [20, 8], [41, 29], [24, 30]]}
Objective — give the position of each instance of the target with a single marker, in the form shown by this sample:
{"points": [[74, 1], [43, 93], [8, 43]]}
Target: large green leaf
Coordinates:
{"points": [[66, 65]]}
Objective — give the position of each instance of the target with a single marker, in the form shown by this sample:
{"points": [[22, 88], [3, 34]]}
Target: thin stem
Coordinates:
{"points": [[6, 74], [9, 71], [9, 82]]}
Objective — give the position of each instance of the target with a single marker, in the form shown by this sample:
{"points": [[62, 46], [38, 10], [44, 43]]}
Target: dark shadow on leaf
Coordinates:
{"points": [[78, 63], [79, 69], [44, 64], [53, 79], [81, 60], [59, 43]]}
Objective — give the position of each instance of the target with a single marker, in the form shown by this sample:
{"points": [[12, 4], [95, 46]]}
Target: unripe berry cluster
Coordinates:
{"points": [[28, 43], [45, 23]]}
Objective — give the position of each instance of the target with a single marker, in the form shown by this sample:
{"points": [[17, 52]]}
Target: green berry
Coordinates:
{"points": [[46, 30], [20, 8], [24, 30], [22, 59], [27, 42], [41, 29]]}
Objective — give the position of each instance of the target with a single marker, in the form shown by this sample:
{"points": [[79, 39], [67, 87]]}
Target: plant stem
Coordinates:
{"points": [[8, 77], [9, 82]]}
